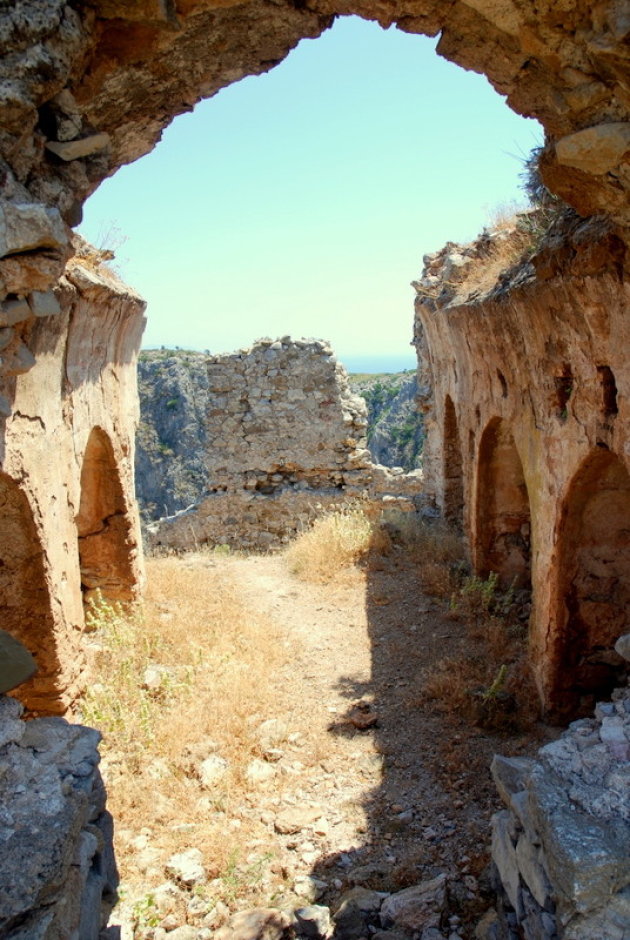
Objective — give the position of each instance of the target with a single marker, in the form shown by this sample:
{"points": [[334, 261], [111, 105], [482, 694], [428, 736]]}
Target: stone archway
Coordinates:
{"points": [[452, 467], [593, 583], [503, 523], [25, 602], [92, 86], [103, 525]]}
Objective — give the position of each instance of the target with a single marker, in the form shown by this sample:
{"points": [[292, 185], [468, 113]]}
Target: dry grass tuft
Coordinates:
{"points": [[188, 676], [336, 543]]}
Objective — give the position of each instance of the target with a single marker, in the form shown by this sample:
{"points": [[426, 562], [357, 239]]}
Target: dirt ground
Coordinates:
{"points": [[409, 797]]}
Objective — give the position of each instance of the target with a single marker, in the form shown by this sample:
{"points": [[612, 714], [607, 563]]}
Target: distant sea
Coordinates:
{"points": [[378, 363]]}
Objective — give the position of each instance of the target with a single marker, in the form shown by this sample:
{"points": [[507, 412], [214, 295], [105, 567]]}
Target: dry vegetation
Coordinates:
{"points": [[337, 542], [492, 683], [192, 675], [187, 677]]}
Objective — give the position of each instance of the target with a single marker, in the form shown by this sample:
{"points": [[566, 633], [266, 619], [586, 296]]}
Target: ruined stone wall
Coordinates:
{"points": [[561, 846], [528, 444], [89, 86], [285, 440], [58, 876], [68, 521]]}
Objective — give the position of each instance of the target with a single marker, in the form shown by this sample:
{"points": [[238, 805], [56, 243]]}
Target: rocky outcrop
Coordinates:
{"points": [[561, 846], [69, 521], [172, 437], [285, 439], [58, 876], [527, 443], [395, 432]]}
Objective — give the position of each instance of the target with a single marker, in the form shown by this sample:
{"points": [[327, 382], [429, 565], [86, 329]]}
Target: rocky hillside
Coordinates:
{"points": [[395, 426], [171, 439], [171, 469]]}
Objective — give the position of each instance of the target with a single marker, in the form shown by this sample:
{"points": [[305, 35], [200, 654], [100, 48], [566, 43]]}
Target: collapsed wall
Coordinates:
{"points": [[58, 876], [527, 437], [68, 520], [561, 846], [285, 439]]}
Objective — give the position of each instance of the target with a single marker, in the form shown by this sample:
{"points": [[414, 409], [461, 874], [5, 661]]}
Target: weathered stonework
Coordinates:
{"points": [[561, 846], [285, 439], [67, 509], [527, 443], [58, 876], [87, 87]]}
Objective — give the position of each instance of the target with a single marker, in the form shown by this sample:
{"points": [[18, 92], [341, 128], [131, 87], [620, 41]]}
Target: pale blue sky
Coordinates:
{"points": [[303, 200]]}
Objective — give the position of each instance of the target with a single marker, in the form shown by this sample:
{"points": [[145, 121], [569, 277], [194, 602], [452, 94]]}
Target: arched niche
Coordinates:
{"points": [[503, 522], [104, 528], [452, 468], [593, 583], [25, 603]]}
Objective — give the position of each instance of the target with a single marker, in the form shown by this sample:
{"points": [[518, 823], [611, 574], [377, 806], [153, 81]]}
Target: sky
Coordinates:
{"points": [[302, 201]]}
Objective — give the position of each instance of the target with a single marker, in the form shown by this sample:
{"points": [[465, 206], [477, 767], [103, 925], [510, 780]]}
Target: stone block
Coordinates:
{"points": [[596, 149], [587, 861], [44, 303], [29, 226], [611, 922], [531, 866], [416, 908], [509, 774], [22, 360], [14, 311], [504, 857], [16, 663], [76, 149]]}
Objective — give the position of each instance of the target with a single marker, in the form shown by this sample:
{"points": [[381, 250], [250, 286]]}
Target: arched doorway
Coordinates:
{"points": [[593, 584], [452, 468], [104, 529], [25, 604], [503, 525]]}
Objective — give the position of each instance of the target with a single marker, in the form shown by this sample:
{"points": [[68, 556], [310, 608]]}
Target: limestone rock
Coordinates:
{"points": [[416, 908], [212, 769], [259, 773], [257, 924], [43, 304], [29, 226], [54, 830], [313, 922], [13, 311], [509, 775], [595, 149], [187, 867], [296, 818], [16, 663], [75, 149]]}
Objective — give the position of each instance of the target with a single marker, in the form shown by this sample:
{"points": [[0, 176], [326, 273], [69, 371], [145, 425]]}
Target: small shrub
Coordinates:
{"points": [[336, 542]]}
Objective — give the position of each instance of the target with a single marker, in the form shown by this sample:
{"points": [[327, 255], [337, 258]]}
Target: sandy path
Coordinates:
{"points": [[407, 799]]}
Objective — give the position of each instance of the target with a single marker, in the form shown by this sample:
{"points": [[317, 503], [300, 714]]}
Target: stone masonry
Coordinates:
{"points": [[58, 876], [526, 382], [285, 440], [69, 518], [561, 846]]}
